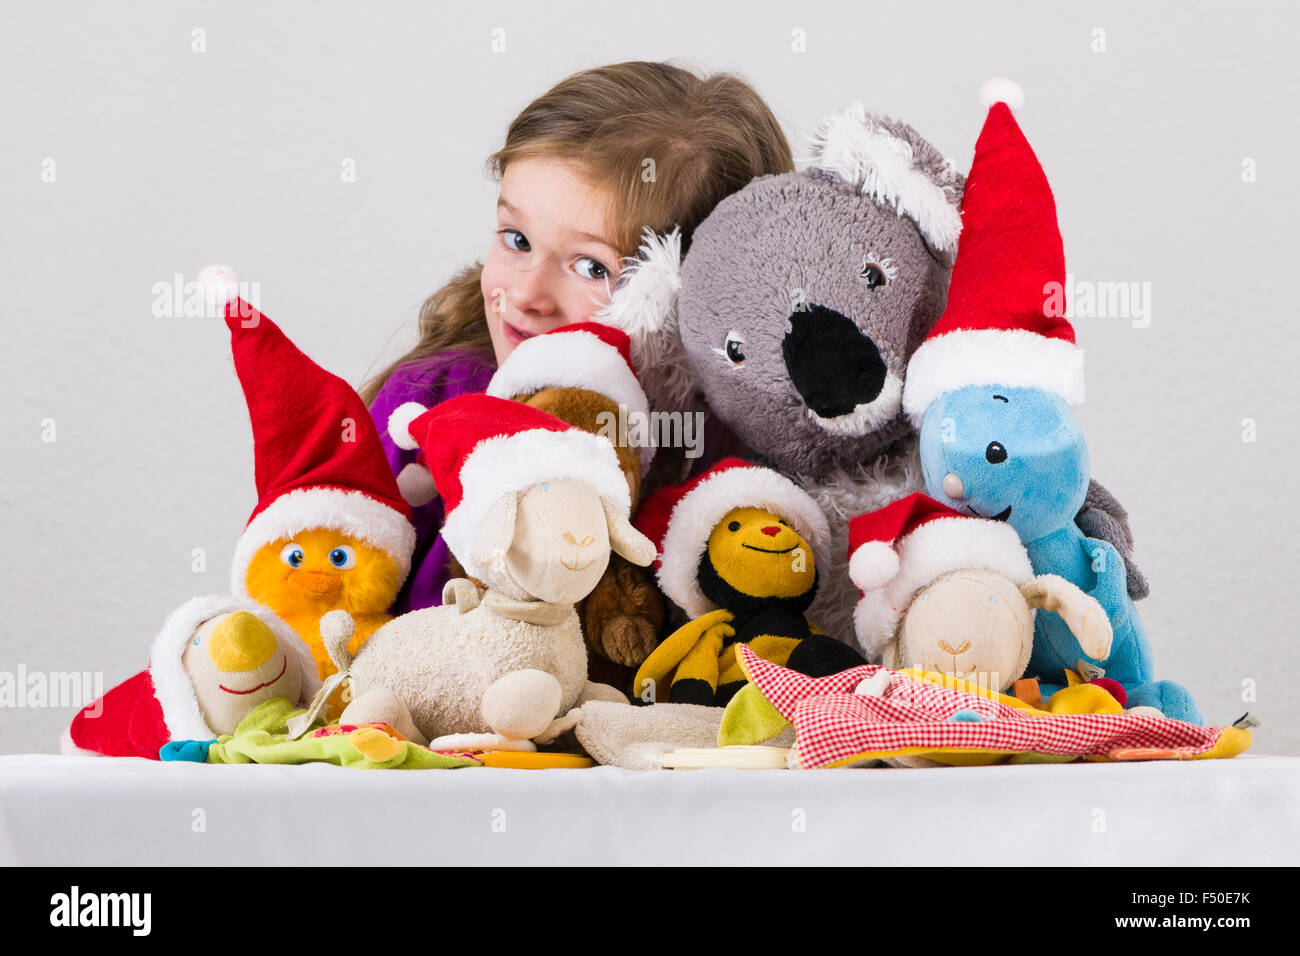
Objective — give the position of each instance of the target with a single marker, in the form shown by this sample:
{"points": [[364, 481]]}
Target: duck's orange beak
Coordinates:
{"points": [[315, 584]]}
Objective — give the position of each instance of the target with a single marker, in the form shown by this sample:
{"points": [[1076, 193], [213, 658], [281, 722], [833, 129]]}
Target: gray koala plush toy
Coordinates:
{"points": [[792, 316]]}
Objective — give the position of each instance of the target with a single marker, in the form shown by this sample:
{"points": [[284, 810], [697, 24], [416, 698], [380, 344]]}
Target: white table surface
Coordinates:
{"points": [[57, 810]]}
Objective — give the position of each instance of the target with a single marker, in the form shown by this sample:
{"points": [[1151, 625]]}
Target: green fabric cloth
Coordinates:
{"points": [[750, 718], [263, 737]]}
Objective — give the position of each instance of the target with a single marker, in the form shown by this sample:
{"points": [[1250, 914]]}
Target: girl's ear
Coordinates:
{"points": [[625, 540], [497, 531]]}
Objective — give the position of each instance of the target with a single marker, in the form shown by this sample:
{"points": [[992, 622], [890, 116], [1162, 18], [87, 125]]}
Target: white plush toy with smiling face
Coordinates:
{"points": [[214, 660], [236, 662]]}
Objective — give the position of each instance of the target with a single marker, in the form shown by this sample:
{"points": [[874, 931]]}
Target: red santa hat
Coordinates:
{"points": [[583, 355], [476, 448], [1005, 319], [680, 518], [159, 705], [901, 548], [318, 459]]}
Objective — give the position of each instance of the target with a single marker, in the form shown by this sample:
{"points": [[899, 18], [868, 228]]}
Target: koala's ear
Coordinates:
{"points": [[497, 532], [625, 540], [891, 164]]}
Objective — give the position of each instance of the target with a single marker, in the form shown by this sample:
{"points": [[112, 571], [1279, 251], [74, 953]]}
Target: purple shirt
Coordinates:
{"points": [[427, 381]]}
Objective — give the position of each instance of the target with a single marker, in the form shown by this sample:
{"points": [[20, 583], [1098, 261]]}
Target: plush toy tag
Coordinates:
{"points": [[1089, 672], [300, 724], [1246, 721]]}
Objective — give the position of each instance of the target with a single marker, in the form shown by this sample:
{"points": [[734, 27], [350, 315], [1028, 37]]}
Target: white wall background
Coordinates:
{"points": [[167, 159]]}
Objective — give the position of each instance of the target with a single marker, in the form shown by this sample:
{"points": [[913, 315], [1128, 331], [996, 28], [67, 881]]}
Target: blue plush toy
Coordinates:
{"points": [[992, 387]]}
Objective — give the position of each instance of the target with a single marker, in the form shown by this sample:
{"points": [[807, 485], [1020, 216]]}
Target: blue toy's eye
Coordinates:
{"points": [[196, 642], [291, 554], [343, 558], [995, 453]]}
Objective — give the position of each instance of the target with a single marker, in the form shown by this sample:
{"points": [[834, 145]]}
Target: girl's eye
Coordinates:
{"points": [[514, 239], [597, 271], [343, 558], [734, 526], [291, 554], [783, 521]]}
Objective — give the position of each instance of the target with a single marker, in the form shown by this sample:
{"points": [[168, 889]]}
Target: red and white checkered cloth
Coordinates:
{"points": [[835, 726]]}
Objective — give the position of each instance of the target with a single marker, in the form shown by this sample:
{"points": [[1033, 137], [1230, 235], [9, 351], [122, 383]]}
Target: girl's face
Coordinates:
{"points": [[550, 263]]}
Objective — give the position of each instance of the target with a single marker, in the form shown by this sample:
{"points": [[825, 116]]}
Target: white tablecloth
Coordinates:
{"points": [[88, 811]]}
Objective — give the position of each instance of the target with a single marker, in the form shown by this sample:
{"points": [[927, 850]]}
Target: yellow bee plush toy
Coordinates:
{"points": [[739, 548], [331, 530]]}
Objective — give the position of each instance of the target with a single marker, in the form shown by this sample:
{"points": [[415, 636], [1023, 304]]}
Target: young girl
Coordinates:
{"points": [[576, 193]]}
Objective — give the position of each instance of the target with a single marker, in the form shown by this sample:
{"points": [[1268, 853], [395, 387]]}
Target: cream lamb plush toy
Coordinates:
{"points": [[534, 507], [956, 594]]}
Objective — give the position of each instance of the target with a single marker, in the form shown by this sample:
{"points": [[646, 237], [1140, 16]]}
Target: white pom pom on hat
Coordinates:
{"points": [[873, 565], [998, 89], [221, 283], [399, 424], [416, 484]]}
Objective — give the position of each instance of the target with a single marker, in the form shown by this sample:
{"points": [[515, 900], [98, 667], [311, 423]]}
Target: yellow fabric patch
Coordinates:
{"points": [[374, 744]]}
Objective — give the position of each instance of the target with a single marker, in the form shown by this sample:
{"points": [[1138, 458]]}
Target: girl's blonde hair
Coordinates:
{"points": [[703, 137]]}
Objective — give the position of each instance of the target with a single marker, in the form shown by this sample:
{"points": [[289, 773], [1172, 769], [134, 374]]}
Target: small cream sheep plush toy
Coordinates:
{"points": [[534, 507], [956, 594]]}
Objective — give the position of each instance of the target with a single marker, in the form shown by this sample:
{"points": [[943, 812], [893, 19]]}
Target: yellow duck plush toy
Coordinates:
{"points": [[739, 548], [331, 530]]}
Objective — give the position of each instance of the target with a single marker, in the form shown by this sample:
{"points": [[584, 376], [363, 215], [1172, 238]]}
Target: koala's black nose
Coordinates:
{"points": [[995, 453], [832, 364]]}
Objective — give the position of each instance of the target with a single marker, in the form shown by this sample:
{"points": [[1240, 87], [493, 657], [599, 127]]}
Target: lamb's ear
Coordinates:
{"points": [[890, 163], [497, 531], [625, 540], [644, 305]]}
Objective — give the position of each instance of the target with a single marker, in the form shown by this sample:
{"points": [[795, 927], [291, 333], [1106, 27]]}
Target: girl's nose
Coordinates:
{"points": [[772, 530], [530, 290]]}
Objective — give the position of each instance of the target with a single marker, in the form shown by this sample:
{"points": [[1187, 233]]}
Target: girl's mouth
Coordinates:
{"points": [[514, 335]]}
